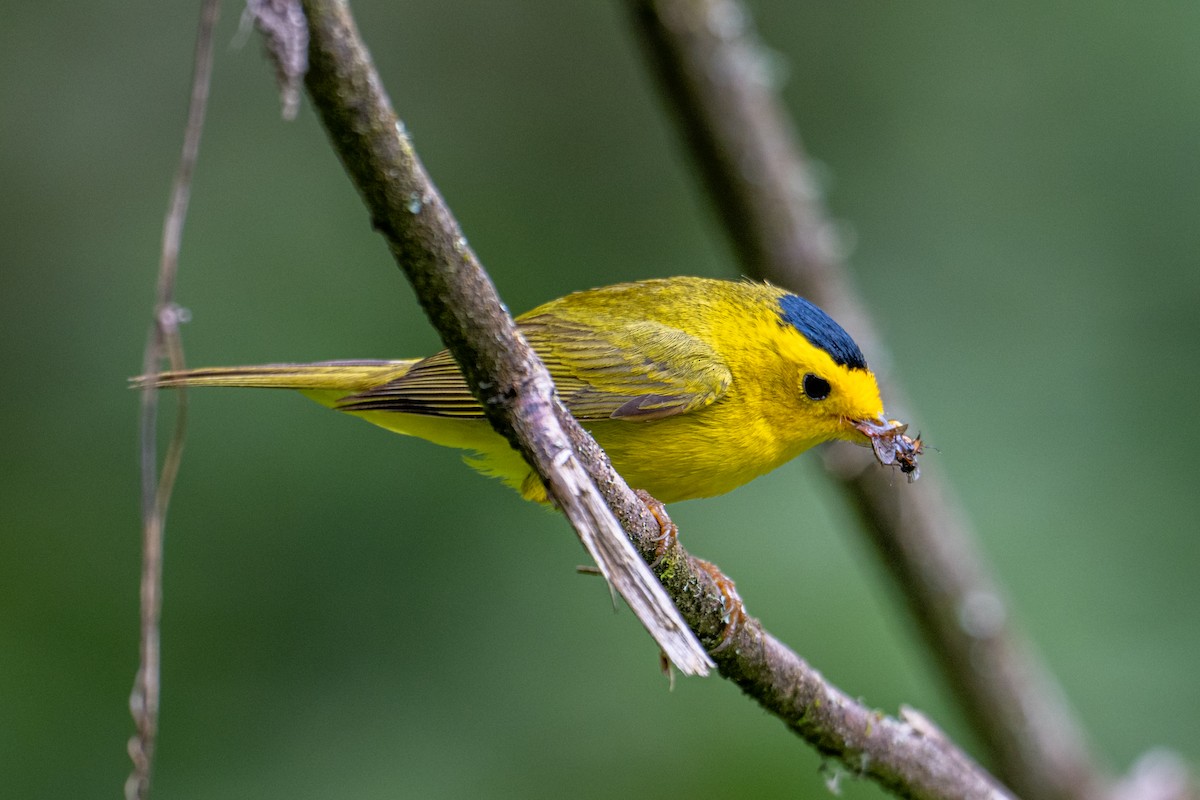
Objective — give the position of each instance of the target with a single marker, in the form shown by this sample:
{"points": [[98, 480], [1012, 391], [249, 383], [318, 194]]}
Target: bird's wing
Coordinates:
{"points": [[637, 371]]}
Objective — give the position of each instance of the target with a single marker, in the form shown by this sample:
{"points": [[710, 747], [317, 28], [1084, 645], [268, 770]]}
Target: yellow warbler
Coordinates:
{"points": [[692, 386]]}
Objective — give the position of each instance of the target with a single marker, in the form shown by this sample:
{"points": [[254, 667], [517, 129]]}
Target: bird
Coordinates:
{"points": [[692, 386]]}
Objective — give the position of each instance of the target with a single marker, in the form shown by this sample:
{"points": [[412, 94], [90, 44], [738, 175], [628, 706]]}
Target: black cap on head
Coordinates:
{"points": [[821, 331]]}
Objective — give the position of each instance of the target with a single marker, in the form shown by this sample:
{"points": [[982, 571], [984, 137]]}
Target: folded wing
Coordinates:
{"points": [[639, 370]]}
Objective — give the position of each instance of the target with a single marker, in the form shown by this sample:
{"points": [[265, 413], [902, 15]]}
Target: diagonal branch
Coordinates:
{"points": [[507, 378], [908, 756]]}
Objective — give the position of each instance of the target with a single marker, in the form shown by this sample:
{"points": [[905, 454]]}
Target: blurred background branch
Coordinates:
{"points": [[718, 80]]}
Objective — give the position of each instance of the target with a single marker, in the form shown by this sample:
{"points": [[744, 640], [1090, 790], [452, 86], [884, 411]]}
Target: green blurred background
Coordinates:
{"points": [[353, 614]]}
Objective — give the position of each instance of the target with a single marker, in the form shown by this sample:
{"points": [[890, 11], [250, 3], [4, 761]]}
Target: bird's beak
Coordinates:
{"points": [[891, 446], [872, 429]]}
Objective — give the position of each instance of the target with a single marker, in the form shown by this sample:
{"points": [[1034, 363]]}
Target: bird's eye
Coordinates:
{"points": [[816, 388]]}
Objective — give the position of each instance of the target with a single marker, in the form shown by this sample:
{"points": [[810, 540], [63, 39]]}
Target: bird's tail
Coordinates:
{"points": [[324, 381]]}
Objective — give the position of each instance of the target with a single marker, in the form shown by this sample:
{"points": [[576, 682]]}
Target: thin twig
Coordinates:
{"points": [[711, 65], [163, 343], [461, 302]]}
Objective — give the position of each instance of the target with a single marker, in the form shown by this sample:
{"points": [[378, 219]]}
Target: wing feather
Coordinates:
{"points": [[638, 370]]}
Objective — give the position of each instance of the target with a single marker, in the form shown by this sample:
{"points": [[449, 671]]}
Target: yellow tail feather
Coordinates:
{"points": [[324, 381], [329, 382]]}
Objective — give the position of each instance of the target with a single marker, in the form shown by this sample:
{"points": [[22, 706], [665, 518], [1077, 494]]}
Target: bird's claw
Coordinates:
{"points": [[731, 601], [668, 530], [735, 611]]}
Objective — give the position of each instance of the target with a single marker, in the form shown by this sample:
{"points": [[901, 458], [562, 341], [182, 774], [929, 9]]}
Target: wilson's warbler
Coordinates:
{"points": [[692, 386]]}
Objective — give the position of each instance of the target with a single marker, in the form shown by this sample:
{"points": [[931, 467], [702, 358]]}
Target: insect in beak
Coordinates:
{"points": [[892, 447]]}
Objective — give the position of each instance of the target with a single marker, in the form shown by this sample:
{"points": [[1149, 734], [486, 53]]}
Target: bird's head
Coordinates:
{"points": [[837, 395]]}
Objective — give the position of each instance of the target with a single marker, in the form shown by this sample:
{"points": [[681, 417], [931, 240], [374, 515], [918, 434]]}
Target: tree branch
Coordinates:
{"points": [[912, 760], [507, 378], [711, 65]]}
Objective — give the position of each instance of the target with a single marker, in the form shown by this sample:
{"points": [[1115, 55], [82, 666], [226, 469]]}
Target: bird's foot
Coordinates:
{"points": [[735, 611], [731, 601], [668, 530]]}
